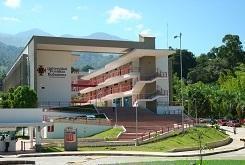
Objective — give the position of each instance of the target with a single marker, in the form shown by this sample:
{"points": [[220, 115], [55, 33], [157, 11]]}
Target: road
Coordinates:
{"points": [[94, 160]]}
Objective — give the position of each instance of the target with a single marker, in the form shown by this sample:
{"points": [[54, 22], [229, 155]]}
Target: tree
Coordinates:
{"points": [[24, 97], [87, 68], [234, 88], [188, 62], [231, 50], [2, 74], [73, 69], [21, 97]]}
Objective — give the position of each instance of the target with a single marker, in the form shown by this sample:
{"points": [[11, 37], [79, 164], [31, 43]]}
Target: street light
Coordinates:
{"points": [[196, 109], [114, 106], [188, 107], [181, 72], [136, 123]]}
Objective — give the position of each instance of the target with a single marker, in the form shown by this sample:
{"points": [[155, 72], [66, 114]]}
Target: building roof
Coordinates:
{"points": [[92, 45]]}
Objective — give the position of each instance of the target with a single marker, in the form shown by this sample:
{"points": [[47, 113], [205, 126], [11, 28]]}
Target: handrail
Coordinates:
{"points": [[149, 135], [114, 73]]}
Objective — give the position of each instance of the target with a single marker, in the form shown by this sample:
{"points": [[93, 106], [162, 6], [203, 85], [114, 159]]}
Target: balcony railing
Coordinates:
{"points": [[151, 95], [107, 91], [114, 73], [149, 77]]}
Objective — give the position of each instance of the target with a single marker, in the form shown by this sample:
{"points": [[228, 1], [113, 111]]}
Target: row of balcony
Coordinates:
{"points": [[127, 69], [114, 73], [123, 87], [104, 92], [142, 77]]}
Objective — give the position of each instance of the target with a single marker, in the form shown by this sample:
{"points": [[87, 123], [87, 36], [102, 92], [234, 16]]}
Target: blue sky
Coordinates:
{"points": [[202, 22]]}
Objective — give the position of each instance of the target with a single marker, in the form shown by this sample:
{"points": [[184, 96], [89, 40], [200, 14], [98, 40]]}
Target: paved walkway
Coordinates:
{"points": [[234, 146]]}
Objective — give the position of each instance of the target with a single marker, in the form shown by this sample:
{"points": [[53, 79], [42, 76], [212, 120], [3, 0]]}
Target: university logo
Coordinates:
{"points": [[41, 70]]}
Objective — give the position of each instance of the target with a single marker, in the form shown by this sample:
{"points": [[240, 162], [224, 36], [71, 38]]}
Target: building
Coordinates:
{"points": [[140, 77]]}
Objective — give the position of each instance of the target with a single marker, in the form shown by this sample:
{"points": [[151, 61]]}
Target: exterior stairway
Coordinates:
{"points": [[147, 121]]}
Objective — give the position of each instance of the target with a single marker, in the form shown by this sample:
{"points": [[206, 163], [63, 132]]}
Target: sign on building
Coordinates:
{"points": [[70, 139]]}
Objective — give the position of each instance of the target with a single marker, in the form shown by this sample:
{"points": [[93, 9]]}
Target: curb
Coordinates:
{"points": [[120, 154], [210, 145]]}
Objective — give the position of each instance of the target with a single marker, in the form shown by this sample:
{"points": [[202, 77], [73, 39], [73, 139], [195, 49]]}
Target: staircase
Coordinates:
{"points": [[147, 121]]}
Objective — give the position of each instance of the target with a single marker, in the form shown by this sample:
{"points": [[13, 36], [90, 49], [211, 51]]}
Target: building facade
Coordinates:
{"points": [[136, 78], [140, 76]]}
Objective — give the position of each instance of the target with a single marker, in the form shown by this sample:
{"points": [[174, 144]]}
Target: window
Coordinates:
{"points": [[51, 128]]}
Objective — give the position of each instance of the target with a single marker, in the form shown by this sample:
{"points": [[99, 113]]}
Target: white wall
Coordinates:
{"points": [[82, 130], [32, 63], [135, 63], [55, 88], [162, 64]]}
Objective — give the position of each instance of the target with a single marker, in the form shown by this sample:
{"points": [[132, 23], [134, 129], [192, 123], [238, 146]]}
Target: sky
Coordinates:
{"points": [[203, 23]]}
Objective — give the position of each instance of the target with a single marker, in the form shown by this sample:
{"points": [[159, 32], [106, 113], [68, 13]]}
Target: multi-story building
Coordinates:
{"points": [[140, 76]]}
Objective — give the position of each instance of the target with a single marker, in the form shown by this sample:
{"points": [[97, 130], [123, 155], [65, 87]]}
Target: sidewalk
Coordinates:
{"points": [[234, 146]]}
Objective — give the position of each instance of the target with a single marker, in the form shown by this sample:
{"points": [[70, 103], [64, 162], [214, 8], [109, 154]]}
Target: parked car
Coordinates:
{"points": [[205, 120], [242, 121], [91, 117], [233, 123], [222, 122]]}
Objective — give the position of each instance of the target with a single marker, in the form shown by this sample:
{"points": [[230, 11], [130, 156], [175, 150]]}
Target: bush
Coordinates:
{"points": [[216, 126]]}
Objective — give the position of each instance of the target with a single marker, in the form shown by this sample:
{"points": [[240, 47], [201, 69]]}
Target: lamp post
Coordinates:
{"points": [[136, 123], [114, 106], [196, 109], [181, 72]]}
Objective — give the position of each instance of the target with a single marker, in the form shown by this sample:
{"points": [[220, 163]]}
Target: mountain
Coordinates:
{"points": [[8, 54], [21, 39], [103, 36], [94, 59], [12, 45]]}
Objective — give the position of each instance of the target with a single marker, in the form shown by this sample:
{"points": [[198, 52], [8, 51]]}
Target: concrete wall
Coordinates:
{"points": [[152, 105], [82, 130], [147, 65], [18, 75], [170, 79], [54, 88], [32, 70], [162, 65], [149, 88]]}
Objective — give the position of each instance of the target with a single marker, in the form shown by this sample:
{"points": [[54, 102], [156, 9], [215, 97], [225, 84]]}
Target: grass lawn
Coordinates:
{"points": [[110, 134], [187, 139], [188, 162]]}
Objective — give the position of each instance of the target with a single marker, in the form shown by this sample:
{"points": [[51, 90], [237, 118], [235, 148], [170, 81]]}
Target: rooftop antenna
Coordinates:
{"points": [[167, 35]]}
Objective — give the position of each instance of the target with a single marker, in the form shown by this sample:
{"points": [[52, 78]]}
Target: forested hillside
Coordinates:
{"points": [[214, 82]]}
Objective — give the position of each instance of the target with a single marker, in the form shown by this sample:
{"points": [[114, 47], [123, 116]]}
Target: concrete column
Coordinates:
{"points": [[122, 101], [31, 136], [38, 135], [38, 139]]}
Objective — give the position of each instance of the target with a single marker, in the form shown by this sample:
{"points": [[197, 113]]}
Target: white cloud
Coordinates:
{"points": [[9, 19], [143, 30], [118, 14], [12, 3], [139, 26], [147, 32], [37, 8], [128, 29], [75, 18], [82, 7]]}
